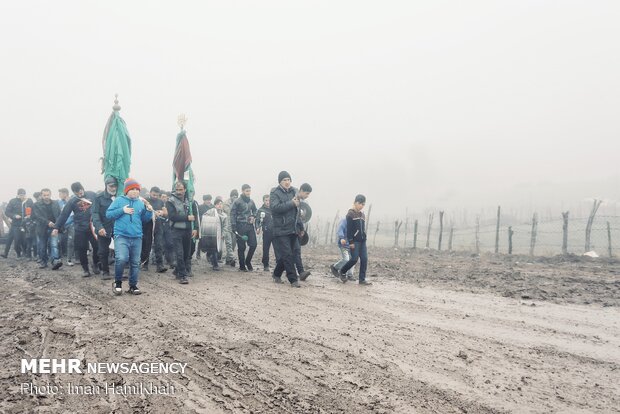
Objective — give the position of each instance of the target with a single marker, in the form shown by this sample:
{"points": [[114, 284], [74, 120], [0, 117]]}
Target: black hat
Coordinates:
{"points": [[283, 175], [360, 198], [21, 191], [234, 193], [111, 180]]}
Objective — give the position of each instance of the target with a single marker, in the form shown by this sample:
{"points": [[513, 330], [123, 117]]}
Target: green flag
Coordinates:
{"points": [[116, 160]]}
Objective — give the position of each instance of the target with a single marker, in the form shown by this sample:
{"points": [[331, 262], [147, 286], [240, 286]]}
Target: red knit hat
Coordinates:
{"points": [[131, 184]]}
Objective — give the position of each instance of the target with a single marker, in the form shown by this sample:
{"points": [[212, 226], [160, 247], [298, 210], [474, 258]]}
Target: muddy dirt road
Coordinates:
{"points": [[440, 333]]}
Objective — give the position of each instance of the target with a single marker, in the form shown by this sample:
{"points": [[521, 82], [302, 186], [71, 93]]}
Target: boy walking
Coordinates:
{"points": [[356, 235], [128, 213]]}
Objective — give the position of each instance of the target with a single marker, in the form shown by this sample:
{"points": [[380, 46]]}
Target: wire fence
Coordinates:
{"points": [[549, 236]]}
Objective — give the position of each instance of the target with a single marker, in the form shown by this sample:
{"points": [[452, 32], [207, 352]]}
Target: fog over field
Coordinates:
{"points": [[443, 104]]}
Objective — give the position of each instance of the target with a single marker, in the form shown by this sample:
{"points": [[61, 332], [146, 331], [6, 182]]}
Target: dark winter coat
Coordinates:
{"points": [[265, 223], [81, 209], [283, 211], [44, 213], [102, 202], [17, 207], [242, 209]]}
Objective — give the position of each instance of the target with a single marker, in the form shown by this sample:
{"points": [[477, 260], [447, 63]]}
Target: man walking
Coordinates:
{"points": [[264, 225], [242, 216], [80, 205], [153, 232], [284, 209], [45, 214], [104, 227], [16, 210], [183, 230]]}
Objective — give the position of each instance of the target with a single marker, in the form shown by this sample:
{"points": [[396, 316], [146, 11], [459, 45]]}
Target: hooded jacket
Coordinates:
{"points": [[356, 226], [128, 225]]}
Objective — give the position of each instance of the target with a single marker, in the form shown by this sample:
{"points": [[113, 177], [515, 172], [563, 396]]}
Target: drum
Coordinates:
{"points": [[304, 239], [305, 212], [210, 233]]}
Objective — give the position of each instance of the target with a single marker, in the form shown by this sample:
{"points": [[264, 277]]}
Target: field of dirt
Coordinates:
{"points": [[435, 333]]}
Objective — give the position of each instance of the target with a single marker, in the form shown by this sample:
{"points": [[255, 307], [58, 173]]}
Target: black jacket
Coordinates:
{"points": [[81, 212], [17, 207], [100, 206], [283, 211], [242, 209], [265, 223], [356, 226], [41, 216]]}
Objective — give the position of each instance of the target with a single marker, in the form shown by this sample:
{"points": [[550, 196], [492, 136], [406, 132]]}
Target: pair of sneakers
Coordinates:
{"points": [[118, 289]]}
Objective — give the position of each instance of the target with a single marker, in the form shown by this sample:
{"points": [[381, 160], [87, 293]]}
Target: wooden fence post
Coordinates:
{"points": [[510, 233], [450, 238], [368, 217], [374, 238], [533, 235], [415, 234], [499, 208], [440, 230], [428, 231], [595, 206], [565, 232], [406, 230], [478, 234], [609, 238], [397, 225]]}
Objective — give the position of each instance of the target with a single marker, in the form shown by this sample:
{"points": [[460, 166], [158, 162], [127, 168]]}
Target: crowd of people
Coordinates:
{"points": [[134, 228]]}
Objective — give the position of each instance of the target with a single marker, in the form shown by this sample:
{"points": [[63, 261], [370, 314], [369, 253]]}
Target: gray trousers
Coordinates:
{"points": [[345, 253]]}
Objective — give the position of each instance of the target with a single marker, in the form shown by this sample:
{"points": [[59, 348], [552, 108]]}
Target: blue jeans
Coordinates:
{"points": [[127, 250], [359, 252], [45, 239]]}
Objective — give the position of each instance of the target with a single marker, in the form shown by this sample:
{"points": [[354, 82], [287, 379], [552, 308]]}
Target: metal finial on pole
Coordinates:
{"points": [[116, 106], [181, 121]]}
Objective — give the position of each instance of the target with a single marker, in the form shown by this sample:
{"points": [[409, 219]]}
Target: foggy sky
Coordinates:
{"points": [[418, 105]]}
